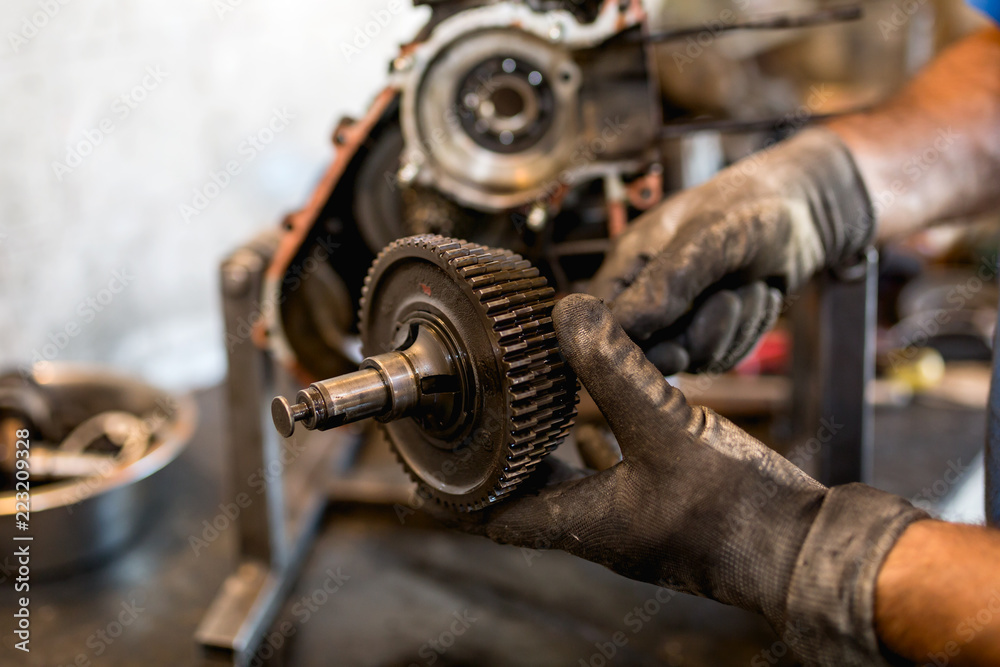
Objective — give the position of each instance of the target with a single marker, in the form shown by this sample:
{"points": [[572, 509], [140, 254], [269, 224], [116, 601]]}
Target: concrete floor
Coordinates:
{"points": [[414, 595]]}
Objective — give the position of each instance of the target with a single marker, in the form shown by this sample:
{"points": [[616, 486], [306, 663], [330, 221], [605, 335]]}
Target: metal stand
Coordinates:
{"points": [[833, 367], [992, 452], [279, 487]]}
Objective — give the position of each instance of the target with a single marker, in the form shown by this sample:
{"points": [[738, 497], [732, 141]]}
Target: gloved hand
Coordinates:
{"points": [[699, 506], [699, 278]]}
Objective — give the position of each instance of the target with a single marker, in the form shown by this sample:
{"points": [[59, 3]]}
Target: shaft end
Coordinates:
{"points": [[285, 415]]}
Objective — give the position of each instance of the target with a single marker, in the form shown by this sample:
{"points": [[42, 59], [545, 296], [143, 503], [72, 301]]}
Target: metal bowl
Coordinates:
{"points": [[84, 520]]}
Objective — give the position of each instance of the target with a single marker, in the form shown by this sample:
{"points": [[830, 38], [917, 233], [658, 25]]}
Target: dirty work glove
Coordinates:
{"points": [[699, 278], [699, 506]]}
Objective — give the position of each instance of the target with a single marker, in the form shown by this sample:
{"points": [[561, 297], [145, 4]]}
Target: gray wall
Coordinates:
{"points": [[72, 233]]}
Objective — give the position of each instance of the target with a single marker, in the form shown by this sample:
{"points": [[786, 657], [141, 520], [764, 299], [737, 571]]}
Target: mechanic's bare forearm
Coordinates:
{"points": [[932, 153], [937, 599]]}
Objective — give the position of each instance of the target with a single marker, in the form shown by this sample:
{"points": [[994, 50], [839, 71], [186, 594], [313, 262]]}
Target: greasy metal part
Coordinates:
{"points": [[334, 402], [992, 451], [371, 176], [490, 109], [833, 368], [122, 429], [70, 459], [516, 399], [240, 276], [464, 369], [49, 464], [331, 310], [499, 138], [276, 527], [388, 386]]}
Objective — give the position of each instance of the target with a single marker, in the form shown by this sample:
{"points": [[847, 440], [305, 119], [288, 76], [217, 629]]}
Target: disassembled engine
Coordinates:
{"points": [[535, 127]]}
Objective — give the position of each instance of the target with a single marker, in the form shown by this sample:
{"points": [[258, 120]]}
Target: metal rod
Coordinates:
{"points": [[992, 452], [781, 22], [729, 125], [334, 402]]}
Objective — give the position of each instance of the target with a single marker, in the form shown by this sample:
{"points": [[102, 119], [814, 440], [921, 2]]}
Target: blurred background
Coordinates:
{"points": [[223, 68]]}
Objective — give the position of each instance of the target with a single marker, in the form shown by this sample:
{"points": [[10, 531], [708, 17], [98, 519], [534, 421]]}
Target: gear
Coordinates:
{"points": [[466, 372]]}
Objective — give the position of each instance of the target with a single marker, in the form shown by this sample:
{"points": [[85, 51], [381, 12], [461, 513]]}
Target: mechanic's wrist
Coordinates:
{"points": [[830, 606]]}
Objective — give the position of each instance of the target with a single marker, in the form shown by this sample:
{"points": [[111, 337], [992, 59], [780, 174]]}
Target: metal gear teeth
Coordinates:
{"points": [[543, 391]]}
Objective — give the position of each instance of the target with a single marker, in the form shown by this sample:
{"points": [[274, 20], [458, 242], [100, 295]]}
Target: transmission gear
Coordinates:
{"points": [[462, 367]]}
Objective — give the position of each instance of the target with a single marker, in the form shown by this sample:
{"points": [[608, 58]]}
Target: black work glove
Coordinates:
{"points": [[699, 278], [700, 506]]}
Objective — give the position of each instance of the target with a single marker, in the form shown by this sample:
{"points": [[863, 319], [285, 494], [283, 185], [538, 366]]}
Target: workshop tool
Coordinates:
{"points": [[462, 368]]}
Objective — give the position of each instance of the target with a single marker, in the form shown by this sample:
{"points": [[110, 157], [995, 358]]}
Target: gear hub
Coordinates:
{"points": [[462, 367]]}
